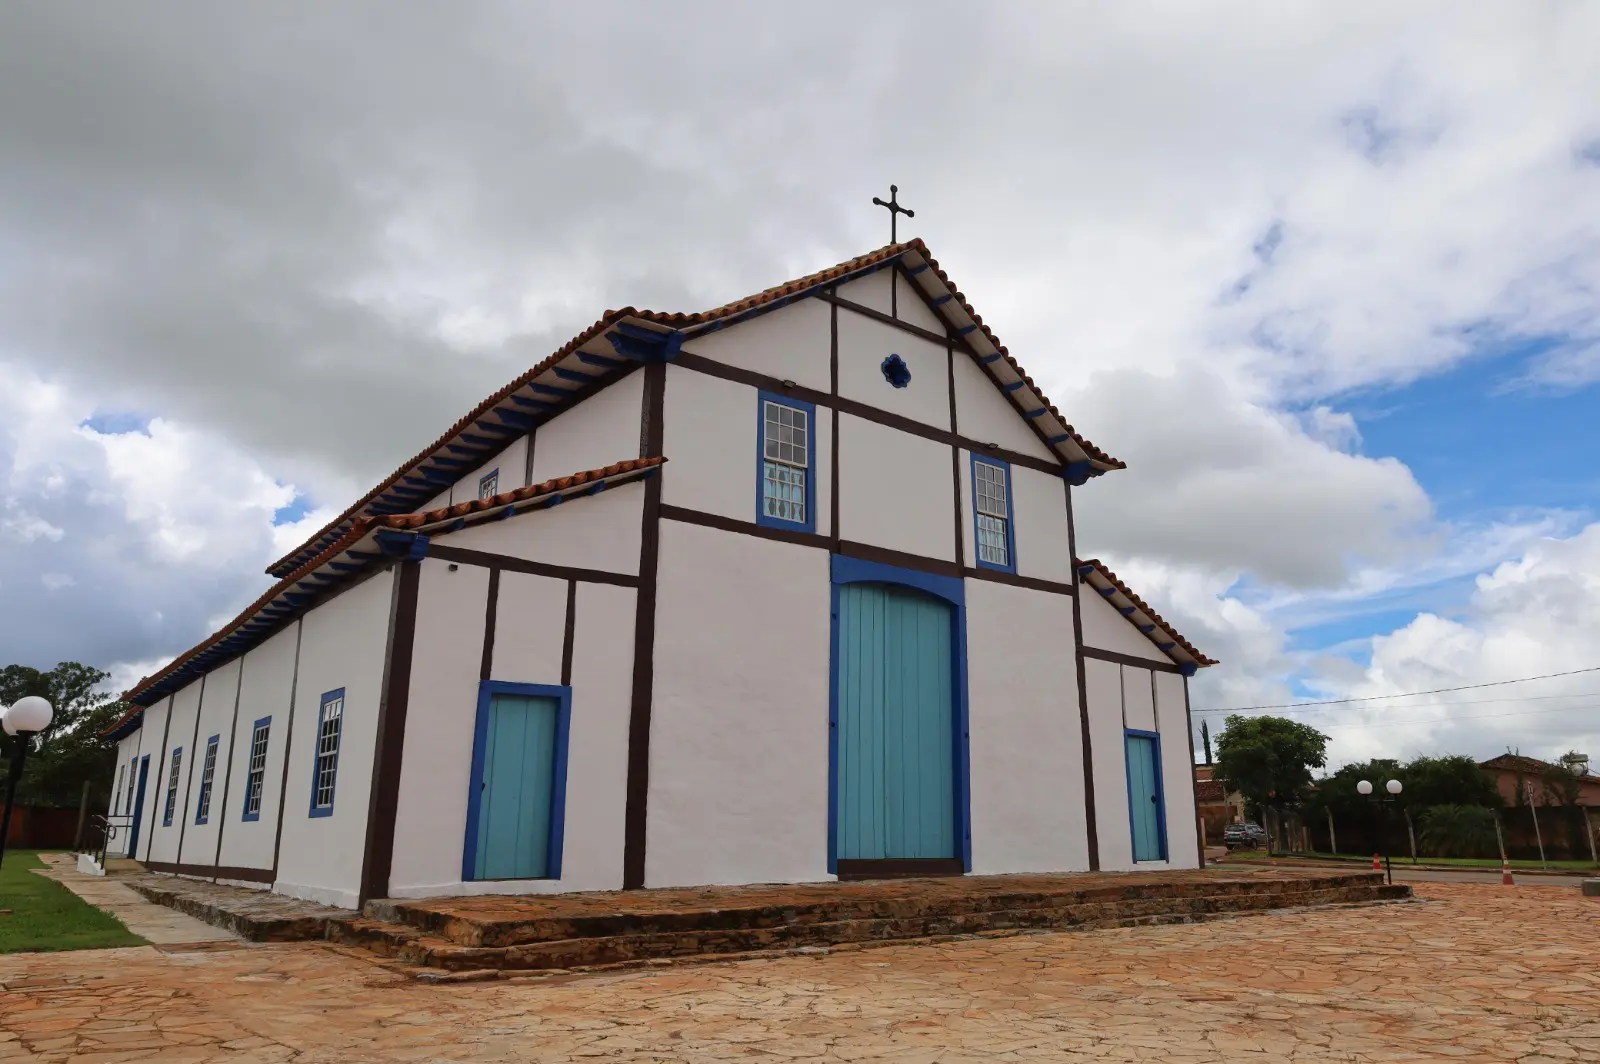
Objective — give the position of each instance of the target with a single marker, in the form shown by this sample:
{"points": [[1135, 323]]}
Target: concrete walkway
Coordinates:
{"points": [[156, 924]]}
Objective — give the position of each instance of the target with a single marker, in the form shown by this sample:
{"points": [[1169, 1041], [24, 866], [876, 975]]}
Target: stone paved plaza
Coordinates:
{"points": [[1467, 973]]}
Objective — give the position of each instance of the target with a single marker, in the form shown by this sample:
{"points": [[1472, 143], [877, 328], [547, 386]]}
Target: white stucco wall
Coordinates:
{"points": [[791, 344], [264, 692], [164, 837], [440, 715], [436, 772], [869, 291], [894, 489], [911, 307], [123, 799], [216, 719], [1114, 690], [1138, 699], [1103, 684], [739, 725], [598, 431], [586, 531], [529, 629], [711, 432], [983, 412], [155, 719], [1026, 748], [1107, 629], [863, 345], [342, 645], [1177, 770]]}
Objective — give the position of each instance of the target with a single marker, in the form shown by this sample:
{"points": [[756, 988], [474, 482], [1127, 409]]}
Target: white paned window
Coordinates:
{"points": [[208, 773], [786, 461], [171, 805], [994, 513], [256, 776], [330, 724], [489, 484]]}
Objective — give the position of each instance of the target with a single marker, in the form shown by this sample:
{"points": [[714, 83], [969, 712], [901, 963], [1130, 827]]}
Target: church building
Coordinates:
{"points": [[784, 591]]}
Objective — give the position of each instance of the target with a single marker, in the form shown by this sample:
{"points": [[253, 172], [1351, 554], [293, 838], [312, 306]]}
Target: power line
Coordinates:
{"points": [[1430, 705], [1452, 720], [1408, 694]]}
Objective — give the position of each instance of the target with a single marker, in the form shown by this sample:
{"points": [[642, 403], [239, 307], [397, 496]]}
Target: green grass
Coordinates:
{"points": [[1454, 862], [47, 916]]}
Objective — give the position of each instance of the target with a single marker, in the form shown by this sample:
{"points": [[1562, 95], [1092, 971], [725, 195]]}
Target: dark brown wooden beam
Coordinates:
{"points": [[464, 556]]}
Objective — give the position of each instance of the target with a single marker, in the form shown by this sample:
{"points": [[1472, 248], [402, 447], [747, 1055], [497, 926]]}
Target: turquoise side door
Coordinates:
{"points": [[896, 725], [1145, 805], [516, 787], [138, 806]]}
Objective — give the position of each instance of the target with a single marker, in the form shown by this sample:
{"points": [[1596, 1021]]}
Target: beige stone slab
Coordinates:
{"points": [[156, 924]]}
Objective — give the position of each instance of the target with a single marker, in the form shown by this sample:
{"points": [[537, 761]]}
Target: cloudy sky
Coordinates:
{"points": [[1326, 275]]}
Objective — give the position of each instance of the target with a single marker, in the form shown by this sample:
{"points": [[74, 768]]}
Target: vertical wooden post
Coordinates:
{"points": [[1537, 834], [83, 814], [1411, 836], [1333, 840], [1499, 839]]}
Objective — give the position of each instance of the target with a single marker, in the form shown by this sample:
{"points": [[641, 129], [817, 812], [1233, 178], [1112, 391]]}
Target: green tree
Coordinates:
{"points": [[1458, 831], [1269, 760], [71, 751], [1452, 780]]}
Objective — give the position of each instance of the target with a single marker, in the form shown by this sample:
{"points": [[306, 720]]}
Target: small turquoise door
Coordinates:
{"points": [[896, 725], [514, 830], [1145, 805], [138, 806]]}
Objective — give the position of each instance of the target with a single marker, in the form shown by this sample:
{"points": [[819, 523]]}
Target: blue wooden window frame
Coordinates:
{"points": [[317, 753], [974, 459], [116, 804], [487, 689], [953, 590], [810, 411], [490, 479], [208, 776], [1161, 790], [255, 776], [170, 803], [143, 774]]}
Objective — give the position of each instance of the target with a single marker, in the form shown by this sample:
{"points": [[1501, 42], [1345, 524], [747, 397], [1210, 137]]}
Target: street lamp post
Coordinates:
{"points": [[1364, 788], [22, 720]]}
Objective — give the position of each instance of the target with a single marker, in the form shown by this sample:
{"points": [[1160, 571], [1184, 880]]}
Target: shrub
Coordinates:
{"points": [[1458, 831]]}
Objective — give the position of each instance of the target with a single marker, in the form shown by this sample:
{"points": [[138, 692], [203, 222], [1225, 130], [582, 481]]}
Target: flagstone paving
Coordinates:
{"points": [[1469, 973]]}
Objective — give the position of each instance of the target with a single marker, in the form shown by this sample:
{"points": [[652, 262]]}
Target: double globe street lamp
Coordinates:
{"points": [[22, 720], [1364, 788]]}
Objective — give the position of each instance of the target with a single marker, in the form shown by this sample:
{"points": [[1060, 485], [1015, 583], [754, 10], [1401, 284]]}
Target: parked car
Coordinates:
{"points": [[1248, 834]]}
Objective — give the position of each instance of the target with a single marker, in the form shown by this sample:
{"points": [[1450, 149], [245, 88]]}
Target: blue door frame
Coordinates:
{"points": [[138, 807], [950, 589], [1160, 791], [487, 689]]}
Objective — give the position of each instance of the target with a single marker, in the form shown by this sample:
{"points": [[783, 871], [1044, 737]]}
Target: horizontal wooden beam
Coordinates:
{"points": [[1131, 660]]}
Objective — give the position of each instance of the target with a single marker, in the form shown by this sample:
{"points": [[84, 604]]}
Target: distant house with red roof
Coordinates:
{"points": [[781, 591]]}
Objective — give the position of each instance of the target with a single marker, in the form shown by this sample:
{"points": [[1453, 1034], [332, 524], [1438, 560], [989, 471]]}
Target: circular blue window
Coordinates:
{"points": [[896, 372]]}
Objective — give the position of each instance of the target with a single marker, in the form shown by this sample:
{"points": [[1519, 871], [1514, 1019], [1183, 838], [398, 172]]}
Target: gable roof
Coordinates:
{"points": [[621, 339], [1166, 638], [369, 541], [1522, 763]]}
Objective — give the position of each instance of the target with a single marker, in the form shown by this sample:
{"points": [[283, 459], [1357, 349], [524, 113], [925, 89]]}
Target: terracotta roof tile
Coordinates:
{"points": [[687, 321], [1114, 581]]}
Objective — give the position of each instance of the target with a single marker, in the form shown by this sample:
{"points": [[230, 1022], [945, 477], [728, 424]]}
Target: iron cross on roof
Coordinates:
{"points": [[894, 209]]}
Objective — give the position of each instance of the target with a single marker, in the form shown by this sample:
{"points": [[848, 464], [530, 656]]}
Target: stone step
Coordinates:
{"points": [[520, 921], [414, 946]]}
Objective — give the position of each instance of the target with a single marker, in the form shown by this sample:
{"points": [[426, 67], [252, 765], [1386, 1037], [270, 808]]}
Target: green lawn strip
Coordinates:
{"points": [[1455, 862], [47, 916]]}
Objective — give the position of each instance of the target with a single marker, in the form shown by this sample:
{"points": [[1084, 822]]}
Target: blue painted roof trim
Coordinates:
{"points": [[531, 403], [1014, 385], [574, 375]]}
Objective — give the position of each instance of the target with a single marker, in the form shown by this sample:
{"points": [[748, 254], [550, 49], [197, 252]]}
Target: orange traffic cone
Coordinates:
{"points": [[1376, 866], [1505, 874]]}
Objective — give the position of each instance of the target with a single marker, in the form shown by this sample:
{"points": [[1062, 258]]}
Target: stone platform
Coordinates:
{"points": [[583, 931], [494, 934]]}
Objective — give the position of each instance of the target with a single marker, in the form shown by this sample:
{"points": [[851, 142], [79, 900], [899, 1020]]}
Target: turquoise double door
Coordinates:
{"points": [[1146, 807], [518, 787], [896, 751]]}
